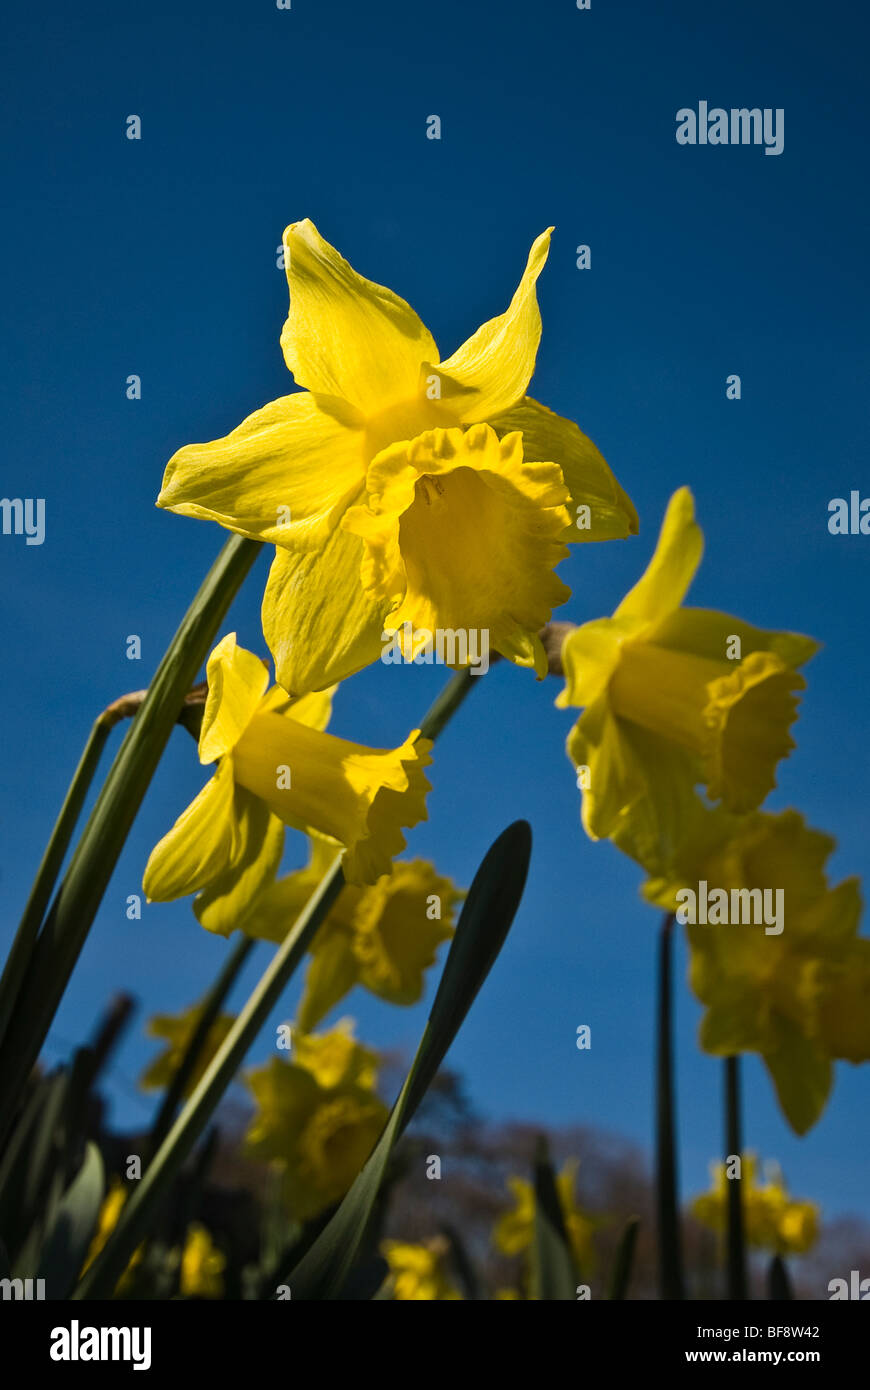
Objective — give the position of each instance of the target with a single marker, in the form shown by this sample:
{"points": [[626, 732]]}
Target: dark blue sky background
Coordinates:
{"points": [[158, 258]]}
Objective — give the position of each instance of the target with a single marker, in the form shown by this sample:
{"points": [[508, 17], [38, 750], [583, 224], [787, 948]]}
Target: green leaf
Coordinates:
{"points": [[66, 927], [483, 924], [624, 1259], [29, 1164], [554, 1274], [71, 1232]]}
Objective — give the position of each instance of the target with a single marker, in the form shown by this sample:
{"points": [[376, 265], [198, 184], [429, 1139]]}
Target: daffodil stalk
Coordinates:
{"points": [[46, 876], [668, 1207], [145, 1201], [21, 951], [69, 921], [734, 1145], [208, 1014]]}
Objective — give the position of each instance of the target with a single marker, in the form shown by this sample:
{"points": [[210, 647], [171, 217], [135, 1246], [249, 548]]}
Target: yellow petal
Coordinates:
{"points": [[637, 789], [202, 1266], [200, 844], [332, 973], [802, 1074], [314, 709], [332, 1149], [360, 796], [494, 366], [462, 536], [224, 904], [177, 1030], [319, 623], [587, 477], [347, 336], [283, 475], [664, 585], [336, 1058], [236, 682], [706, 632], [393, 936], [590, 655], [276, 908], [286, 1097], [845, 1012]]}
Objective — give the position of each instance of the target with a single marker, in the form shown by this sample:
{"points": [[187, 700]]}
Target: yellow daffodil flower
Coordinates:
{"points": [[318, 1117], [515, 1229], [798, 993], [178, 1029], [398, 483], [383, 937], [418, 1271], [772, 1220], [109, 1215], [674, 697], [202, 1265], [276, 767]]}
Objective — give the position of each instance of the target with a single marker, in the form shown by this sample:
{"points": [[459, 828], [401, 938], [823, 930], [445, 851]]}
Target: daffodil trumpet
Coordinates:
{"points": [[674, 698], [275, 767]]}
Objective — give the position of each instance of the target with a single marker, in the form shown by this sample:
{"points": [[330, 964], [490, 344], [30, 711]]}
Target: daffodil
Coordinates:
{"points": [[109, 1214], [202, 1265], [318, 1117], [177, 1030], [798, 996], [276, 767], [772, 1219], [418, 1271], [383, 937], [674, 697], [515, 1229], [398, 484], [199, 1261]]}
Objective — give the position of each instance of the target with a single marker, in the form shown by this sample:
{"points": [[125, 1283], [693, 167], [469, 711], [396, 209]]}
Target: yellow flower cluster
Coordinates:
{"points": [[199, 1262], [317, 1117], [515, 1229], [686, 714], [772, 1219], [417, 1272]]}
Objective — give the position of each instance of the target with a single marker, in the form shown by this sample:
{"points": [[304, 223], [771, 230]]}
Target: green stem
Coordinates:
{"points": [[446, 703], [734, 1147], [211, 1008], [149, 1194], [144, 1204], [21, 951], [69, 921], [670, 1252], [46, 875], [778, 1282]]}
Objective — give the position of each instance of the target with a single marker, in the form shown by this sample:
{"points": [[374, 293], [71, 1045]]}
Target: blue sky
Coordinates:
{"points": [[158, 258]]}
